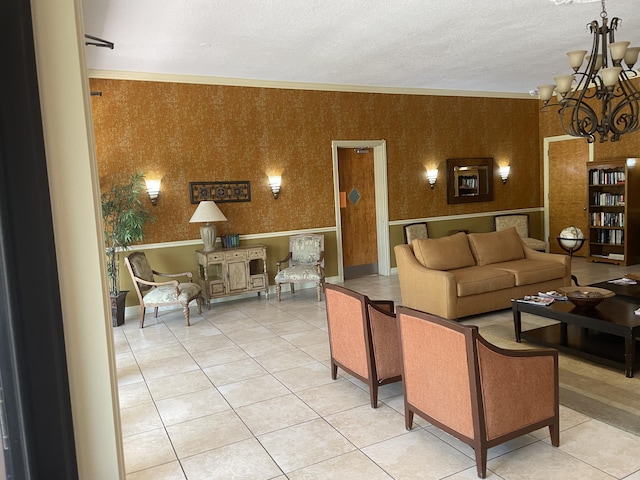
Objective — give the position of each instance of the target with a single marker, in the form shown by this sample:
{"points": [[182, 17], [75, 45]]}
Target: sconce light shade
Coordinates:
{"points": [[432, 176], [274, 183], [504, 173], [208, 212], [153, 189]]}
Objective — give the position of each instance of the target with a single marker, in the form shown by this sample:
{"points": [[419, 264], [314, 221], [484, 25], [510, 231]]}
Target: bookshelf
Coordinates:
{"points": [[614, 211]]}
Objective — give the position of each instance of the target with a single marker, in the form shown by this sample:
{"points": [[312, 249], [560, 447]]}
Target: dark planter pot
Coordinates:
{"points": [[117, 308]]}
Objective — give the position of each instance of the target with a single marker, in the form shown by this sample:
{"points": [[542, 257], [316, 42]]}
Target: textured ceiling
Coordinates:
{"points": [[502, 46]]}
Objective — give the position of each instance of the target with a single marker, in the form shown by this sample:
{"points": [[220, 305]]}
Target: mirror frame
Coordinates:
{"points": [[452, 163]]}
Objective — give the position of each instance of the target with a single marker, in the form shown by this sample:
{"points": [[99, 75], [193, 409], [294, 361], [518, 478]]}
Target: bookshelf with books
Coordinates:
{"points": [[614, 211]]}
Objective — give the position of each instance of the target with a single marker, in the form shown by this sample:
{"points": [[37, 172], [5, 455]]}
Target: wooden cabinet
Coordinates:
{"points": [[231, 271], [614, 211]]}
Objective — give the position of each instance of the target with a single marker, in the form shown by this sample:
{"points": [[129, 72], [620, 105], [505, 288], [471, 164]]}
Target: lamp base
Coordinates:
{"points": [[208, 233]]}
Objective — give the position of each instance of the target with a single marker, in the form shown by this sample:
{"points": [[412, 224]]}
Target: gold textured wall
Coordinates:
{"points": [[192, 132]]}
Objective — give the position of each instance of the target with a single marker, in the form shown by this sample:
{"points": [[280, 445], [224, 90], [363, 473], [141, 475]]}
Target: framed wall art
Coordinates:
{"points": [[220, 192]]}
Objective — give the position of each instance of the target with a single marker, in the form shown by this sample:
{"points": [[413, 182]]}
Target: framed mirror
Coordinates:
{"points": [[469, 180]]}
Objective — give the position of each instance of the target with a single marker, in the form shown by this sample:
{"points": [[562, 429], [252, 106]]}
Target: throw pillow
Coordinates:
{"points": [[446, 253], [496, 247]]}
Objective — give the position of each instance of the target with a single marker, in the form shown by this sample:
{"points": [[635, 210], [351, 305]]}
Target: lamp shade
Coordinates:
{"points": [[207, 211]]}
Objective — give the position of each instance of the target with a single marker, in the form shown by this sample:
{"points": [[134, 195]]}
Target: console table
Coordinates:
{"points": [[231, 271]]}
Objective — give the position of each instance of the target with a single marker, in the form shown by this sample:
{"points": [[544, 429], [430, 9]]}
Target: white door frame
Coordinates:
{"points": [[382, 202], [547, 141]]}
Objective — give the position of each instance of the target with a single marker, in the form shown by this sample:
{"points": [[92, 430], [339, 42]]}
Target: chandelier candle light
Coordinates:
{"points": [[208, 212], [605, 77]]}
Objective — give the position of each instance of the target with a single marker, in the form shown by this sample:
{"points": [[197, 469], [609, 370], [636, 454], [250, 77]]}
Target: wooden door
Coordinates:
{"points": [[568, 190], [358, 211]]}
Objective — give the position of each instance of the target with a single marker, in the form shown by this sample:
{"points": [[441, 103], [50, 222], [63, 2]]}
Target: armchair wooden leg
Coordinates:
{"points": [[185, 312], [408, 417], [155, 312], [199, 302], [293, 290], [142, 312], [554, 433], [334, 370], [319, 289], [278, 290], [373, 393], [481, 461]]}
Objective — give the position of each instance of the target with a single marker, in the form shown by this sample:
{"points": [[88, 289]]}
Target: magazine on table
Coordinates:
{"points": [[553, 294], [537, 300]]}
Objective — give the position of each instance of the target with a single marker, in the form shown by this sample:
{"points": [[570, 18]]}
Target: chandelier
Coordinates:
{"points": [[604, 79]]}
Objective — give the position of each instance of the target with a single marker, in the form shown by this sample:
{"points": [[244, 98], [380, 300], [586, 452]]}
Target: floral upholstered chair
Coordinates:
{"points": [[521, 224], [160, 294], [306, 263], [415, 230]]}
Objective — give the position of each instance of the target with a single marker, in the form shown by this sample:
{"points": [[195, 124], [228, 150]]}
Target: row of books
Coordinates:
{"points": [[606, 219], [607, 199], [606, 177], [612, 237]]}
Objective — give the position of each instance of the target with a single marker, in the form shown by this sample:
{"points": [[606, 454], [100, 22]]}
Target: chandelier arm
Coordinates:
{"points": [[624, 116], [578, 119]]}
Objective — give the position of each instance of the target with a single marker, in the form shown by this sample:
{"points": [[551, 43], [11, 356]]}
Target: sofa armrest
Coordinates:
{"points": [[549, 257], [431, 291]]}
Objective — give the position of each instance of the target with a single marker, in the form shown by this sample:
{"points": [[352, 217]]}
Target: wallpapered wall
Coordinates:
{"points": [[193, 132]]}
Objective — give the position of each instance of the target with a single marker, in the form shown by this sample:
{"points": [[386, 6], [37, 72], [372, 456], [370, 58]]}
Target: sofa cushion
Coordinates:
{"points": [[475, 280], [527, 272], [446, 253], [496, 247]]}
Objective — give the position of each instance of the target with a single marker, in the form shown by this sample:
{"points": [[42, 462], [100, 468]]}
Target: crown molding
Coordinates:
{"points": [[246, 82]]}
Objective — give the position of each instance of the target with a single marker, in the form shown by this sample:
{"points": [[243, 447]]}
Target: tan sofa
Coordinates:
{"points": [[467, 274]]}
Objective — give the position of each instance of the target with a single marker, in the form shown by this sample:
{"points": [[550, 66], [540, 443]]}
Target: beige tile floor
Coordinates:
{"points": [[246, 392]]}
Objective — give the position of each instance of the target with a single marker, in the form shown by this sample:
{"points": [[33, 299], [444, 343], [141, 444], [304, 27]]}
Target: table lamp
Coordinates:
{"points": [[208, 212]]}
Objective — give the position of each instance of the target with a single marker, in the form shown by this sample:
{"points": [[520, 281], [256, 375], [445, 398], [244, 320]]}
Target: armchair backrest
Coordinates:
{"points": [[519, 221], [306, 249], [438, 369], [139, 267], [346, 311], [415, 230]]}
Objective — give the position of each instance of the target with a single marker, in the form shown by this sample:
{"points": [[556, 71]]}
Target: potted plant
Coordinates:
{"points": [[124, 217]]}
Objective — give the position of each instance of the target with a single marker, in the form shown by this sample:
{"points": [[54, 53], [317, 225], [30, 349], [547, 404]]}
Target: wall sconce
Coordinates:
{"points": [[153, 189], [504, 173], [432, 176], [274, 183]]}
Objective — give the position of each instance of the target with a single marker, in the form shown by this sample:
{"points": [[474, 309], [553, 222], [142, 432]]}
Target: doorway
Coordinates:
{"points": [[375, 229], [565, 187], [356, 181]]}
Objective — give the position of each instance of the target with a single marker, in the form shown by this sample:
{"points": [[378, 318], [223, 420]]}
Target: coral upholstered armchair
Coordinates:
{"points": [[363, 337], [479, 393]]}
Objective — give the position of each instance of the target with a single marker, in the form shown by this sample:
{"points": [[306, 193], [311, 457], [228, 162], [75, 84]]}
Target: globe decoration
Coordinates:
{"points": [[571, 238]]}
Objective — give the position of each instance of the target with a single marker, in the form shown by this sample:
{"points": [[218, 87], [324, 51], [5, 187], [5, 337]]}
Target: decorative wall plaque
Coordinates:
{"points": [[220, 192]]}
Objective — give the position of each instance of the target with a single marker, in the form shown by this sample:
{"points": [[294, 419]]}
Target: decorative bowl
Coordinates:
{"points": [[586, 297]]}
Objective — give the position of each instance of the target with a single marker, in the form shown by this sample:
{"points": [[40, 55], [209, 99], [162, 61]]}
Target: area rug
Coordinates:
{"points": [[600, 392]]}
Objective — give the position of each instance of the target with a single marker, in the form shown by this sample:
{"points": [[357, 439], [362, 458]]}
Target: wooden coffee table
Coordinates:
{"points": [[605, 334]]}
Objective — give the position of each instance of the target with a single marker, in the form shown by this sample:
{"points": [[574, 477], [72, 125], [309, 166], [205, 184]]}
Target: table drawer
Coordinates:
{"points": [[236, 254], [256, 253], [258, 281], [216, 287]]}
